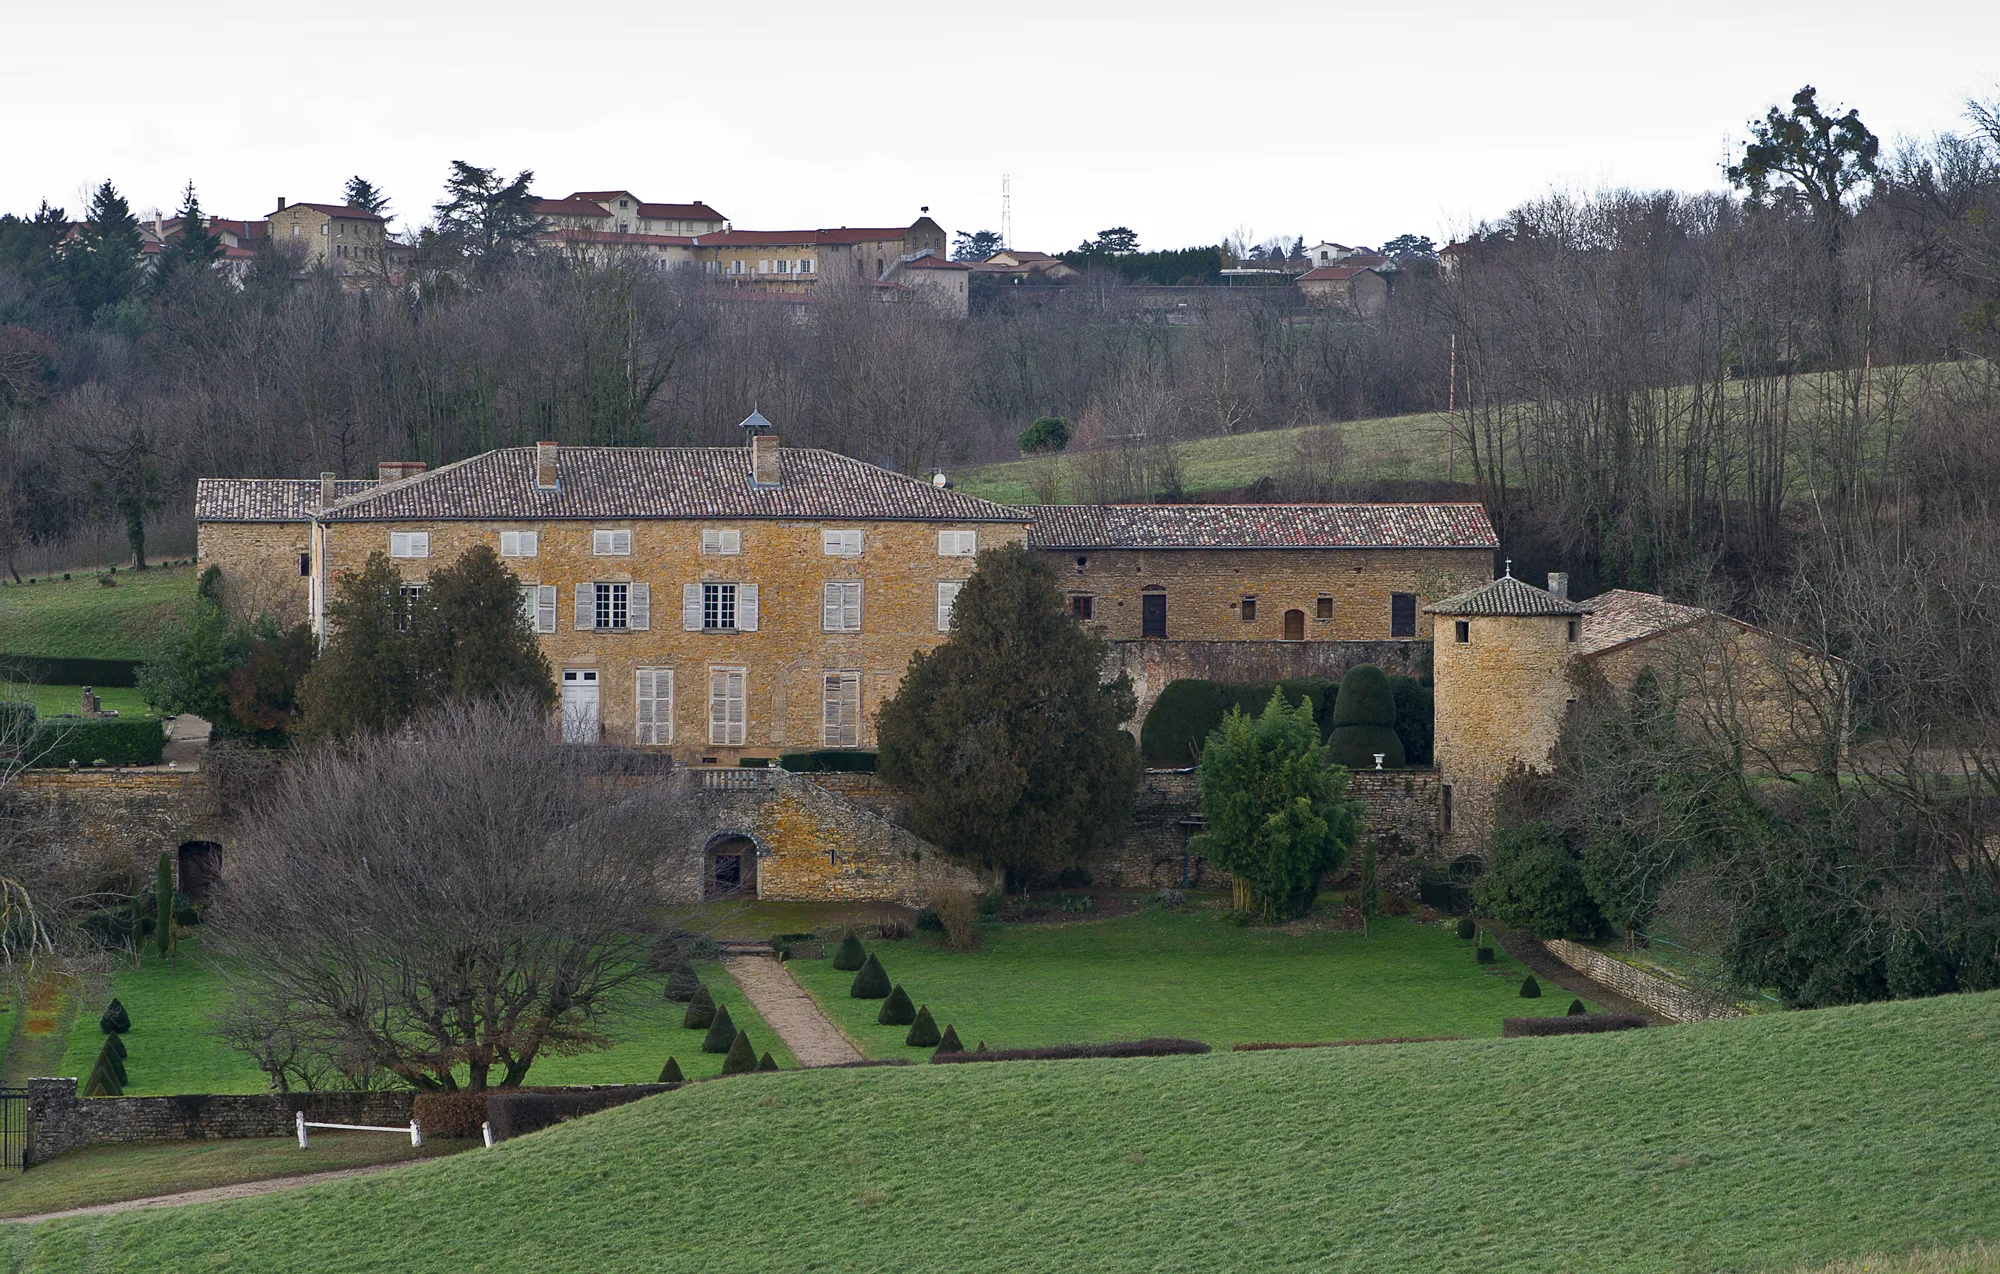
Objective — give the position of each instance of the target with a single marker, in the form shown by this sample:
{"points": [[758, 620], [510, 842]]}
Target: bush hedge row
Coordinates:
{"points": [[56, 670], [1061, 1052], [117, 741], [1178, 724], [828, 762], [1585, 1024]]}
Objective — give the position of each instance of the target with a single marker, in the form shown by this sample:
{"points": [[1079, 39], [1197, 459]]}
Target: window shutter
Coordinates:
{"points": [[545, 608], [829, 607], [851, 610], [531, 543], [691, 607], [530, 595], [746, 608], [947, 594], [639, 607], [586, 605]]}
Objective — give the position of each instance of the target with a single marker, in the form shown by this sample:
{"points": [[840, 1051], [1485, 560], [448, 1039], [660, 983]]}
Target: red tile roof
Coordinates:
{"points": [[1255, 526], [780, 238], [572, 235], [571, 207], [681, 211], [1333, 273], [1622, 616], [1509, 597]]}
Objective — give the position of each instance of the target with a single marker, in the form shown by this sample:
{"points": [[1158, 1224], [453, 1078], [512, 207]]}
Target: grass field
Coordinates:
{"points": [[1756, 1144], [172, 1046], [52, 701], [1187, 974], [108, 1174], [1397, 447], [80, 618]]}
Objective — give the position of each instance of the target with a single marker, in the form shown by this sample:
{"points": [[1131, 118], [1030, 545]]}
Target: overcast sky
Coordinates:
{"points": [[1353, 122]]}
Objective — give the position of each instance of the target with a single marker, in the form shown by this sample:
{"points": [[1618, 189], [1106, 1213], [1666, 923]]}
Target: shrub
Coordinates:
{"points": [[850, 956], [767, 1063], [927, 921], [114, 1045], [1177, 726], [1530, 989], [1364, 721], [897, 1009], [949, 1043], [700, 1013], [1534, 883], [1576, 1008], [871, 983], [721, 1033], [957, 914], [46, 670], [682, 984], [454, 1114], [742, 1058], [671, 1073], [115, 741], [516, 1111], [1170, 899], [923, 1032], [828, 762], [101, 1083], [1063, 1052], [1484, 953], [113, 1065], [1584, 1024], [1048, 433], [116, 1021], [1415, 719], [1466, 929]]}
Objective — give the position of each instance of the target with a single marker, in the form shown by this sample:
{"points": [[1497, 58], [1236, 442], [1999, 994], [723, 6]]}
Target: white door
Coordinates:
{"points": [[579, 705]]}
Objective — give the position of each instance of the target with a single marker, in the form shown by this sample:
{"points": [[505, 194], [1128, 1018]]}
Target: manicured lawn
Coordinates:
{"points": [[172, 1046], [80, 618], [1755, 1144], [1187, 974], [53, 701], [108, 1174]]}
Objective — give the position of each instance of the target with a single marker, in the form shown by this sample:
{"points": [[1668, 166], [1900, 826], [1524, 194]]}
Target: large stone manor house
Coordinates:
{"points": [[734, 604]]}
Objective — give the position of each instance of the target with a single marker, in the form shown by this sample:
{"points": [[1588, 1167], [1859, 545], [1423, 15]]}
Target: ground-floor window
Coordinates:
{"points": [[726, 707], [841, 698], [653, 722]]}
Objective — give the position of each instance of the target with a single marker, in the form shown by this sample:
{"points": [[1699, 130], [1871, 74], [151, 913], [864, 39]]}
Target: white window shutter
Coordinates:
{"points": [[545, 608], [691, 607], [531, 543], [530, 595], [829, 607], [746, 608], [586, 605], [639, 607]]}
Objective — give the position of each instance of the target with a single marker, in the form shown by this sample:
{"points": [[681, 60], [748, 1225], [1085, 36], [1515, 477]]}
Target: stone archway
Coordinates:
{"points": [[729, 866]]}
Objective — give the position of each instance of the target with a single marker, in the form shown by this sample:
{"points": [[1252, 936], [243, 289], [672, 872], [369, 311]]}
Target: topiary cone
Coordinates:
{"points": [[871, 983], [114, 1045], [1364, 721], [671, 1073], [924, 1031], [700, 1013], [721, 1033], [1576, 1009], [767, 1063], [682, 984], [1466, 929], [850, 956], [742, 1058], [114, 1067], [897, 1009], [950, 1044], [1530, 989], [1483, 954], [116, 1021]]}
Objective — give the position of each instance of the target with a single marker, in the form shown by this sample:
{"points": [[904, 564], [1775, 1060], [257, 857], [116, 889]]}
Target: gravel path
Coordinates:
{"points": [[788, 1010], [215, 1194]]}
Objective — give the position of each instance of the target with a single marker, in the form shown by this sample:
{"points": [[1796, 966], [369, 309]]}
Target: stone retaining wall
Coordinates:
{"points": [[114, 824], [1669, 999], [59, 1120]]}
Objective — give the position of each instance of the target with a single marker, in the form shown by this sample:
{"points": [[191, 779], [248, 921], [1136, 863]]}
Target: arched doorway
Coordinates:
{"points": [[729, 866], [200, 869], [1295, 625]]}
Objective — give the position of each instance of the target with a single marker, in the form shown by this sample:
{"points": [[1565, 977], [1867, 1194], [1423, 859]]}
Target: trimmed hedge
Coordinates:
{"points": [[871, 983], [1588, 1024], [1063, 1052], [117, 741], [1364, 721], [742, 1058], [897, 1009], [671, 1073], [923, 1032], [721, 1033], [767, 1063], [1178, 724], [700, 1013], [115, 1021], [1484, 955], [850, 956], [831, 761], [515, 1111], [47, 670], [1530, 989], [1387, 1039], [950, 1044], [456, 1114], [1576, 1008]]}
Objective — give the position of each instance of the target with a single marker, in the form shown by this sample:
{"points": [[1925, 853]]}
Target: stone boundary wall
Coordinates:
{"points": [[1669, 999], [59, 1120], [115, 823]]}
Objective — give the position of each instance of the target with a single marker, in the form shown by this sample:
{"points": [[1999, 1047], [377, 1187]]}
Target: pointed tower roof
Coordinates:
{"points": [[755, 423], [1506, 596]]}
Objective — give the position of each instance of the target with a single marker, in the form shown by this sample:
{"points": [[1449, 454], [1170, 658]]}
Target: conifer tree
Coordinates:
{"points": [[362, 193], [871, 983], [742, 1058], [923, 1032], [897, 1009], [767, 1063], [102, 262], [850, 955], [116, 1021], [470, 637], [950, 1044], [1576, 1009], [671, 1073], [194, 248], [364, 679], [700, 1013], [721, 1033], [1531, 989]]}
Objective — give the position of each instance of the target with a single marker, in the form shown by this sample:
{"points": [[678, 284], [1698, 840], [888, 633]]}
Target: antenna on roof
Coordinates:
{"points": [[1510, 561]]}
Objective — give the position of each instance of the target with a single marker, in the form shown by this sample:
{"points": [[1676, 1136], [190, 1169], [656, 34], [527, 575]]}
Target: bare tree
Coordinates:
{"points": [[468, 894]]}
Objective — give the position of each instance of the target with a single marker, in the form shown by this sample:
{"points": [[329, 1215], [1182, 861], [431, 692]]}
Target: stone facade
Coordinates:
{"points": [[59, 1120], [1669, 999], [1500, 699], [1305, 594], [266, 567], [1152, 663], [114, 824]]}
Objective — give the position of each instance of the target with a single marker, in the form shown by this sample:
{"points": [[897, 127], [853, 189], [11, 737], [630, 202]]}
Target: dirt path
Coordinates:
{"points": [[1543, 964], [788, 1010], [214, 1194]]}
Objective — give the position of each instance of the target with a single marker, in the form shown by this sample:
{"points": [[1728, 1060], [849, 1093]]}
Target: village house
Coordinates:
{"points": [[352, 243], [1018, 265], [622, 212], [1360, 290]]}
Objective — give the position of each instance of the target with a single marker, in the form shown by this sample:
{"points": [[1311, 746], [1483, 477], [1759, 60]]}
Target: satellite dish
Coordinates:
{"points": [[940, 481]]}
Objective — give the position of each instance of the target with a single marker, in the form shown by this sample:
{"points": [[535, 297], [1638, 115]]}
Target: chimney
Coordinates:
{"points": [[397, 470], [281, 203], [764, 468], [1559, 584], [326, 489], [545, 465]]}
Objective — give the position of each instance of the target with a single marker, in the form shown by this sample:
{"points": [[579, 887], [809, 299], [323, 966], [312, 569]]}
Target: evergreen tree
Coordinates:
{"points": [[682, 983], [486, 220], [923, 1031], [741, 1058], [103, 261], [950, 1044], [871, 983], [721, 1032], [470, 637], [163, 904], [364, 678], [193, 249], [1531, 989], [1276, 809], [767, 1063], [361, 193], [1576, 1009], [115, 1045], [850, 955], [116, 1021], [1364, 721], [1006, 739], [897, 1009], [700, 1013], [671, 1073]]}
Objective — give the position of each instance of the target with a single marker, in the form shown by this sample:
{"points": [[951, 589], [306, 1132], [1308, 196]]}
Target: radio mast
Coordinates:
{"points": [[1006, 210]]}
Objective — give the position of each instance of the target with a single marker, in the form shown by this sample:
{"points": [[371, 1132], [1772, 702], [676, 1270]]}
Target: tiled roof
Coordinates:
{"points": [[1506, 596], [266, 499], [683, 211], [934, 263], [1622, 615], [779, 238], [346, 211], [1248, 526], [664, 482], [1333, 273], [572, 235], [571, 207]]}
